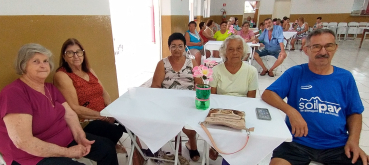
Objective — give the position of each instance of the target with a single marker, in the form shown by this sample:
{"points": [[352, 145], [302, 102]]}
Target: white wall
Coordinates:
{"points": [[266, 7], [321, 6], [233, 7], [174, 7], [54, 7], [281, 8]]}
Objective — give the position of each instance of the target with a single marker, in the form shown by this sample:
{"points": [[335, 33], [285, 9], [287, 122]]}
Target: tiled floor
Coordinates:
{"points": [[348, 57]]}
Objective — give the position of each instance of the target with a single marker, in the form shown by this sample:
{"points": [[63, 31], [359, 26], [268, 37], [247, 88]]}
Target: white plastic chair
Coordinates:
{"points": [[353, 28], [332, 24], [188, 54], [362, 26], [325, 25], [341, 29]]}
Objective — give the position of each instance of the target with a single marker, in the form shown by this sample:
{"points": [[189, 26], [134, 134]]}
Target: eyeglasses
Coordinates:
{"points": [[329, 47], [70, 53], [173, 47]]}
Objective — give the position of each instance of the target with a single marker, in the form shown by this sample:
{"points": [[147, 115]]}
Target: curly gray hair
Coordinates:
{"points": [[223, 47], [26, 52]]}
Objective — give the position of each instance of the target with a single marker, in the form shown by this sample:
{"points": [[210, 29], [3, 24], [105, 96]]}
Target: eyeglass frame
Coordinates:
{"points": [[75, 53], [177, 47], [310, 47]]}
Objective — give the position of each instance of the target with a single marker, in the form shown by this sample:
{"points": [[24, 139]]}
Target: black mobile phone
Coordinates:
{"points": [[263, 114]]}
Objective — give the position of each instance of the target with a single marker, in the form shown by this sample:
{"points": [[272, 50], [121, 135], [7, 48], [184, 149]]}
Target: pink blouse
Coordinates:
{"points": [[247, 35]]}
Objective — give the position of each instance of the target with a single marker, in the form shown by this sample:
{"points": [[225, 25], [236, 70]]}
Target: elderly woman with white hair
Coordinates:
{"points": [[234, 77], [38, 126]]}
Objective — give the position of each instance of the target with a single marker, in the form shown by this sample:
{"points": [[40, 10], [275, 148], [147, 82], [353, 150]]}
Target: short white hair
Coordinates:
{"points": [[231, 19], [26, 52], [223, 47]]}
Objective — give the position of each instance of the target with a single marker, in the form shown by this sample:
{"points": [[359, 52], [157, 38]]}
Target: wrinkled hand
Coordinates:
{"points": [[356, 152], [298, 124], [254, 42], [81, 140], [77, 151]]}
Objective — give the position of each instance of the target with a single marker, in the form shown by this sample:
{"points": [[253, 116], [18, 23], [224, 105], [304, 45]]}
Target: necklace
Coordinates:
{"points": [[50, 99]]}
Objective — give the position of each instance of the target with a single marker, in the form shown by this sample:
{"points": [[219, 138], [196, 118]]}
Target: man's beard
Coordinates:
{"points": [[270, 28]]}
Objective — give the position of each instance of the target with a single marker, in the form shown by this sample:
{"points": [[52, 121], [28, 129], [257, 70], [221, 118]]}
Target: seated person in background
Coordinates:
{"points": [[202, 29], [272, 38], [229, 25], [209, 34], [194, 42], [247, 34], [302, 28], [286, 25], [175, 72], [249, 19], [318, 24], [234, 77], [261, 28], [38, 126], [274, 21], [222, 34], [323, 108], [84, 92], [278, 22], [235, 25]]}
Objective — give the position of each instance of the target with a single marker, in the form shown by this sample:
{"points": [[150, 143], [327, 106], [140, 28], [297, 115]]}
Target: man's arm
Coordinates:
{"points": [[298, 124], [354, 123]]}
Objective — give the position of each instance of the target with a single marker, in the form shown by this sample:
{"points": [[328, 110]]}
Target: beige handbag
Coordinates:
{"points": [[226, 117]]}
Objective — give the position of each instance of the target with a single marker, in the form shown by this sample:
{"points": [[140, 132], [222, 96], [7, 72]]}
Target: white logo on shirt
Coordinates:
{"points": [[306, 87], [315, 104]]}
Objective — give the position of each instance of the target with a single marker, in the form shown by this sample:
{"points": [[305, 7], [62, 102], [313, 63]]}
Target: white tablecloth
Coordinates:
{"points": [[157, 115], [288, 34]]}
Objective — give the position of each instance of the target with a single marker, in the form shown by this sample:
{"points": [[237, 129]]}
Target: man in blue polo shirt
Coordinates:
{"points": [[272, 38], [323, 108]]}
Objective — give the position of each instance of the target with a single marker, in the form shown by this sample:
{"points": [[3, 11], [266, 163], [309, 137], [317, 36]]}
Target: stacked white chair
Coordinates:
{"points": [[341, 29], [332, 26], [325, 25], [362, 26], [353, 28]]}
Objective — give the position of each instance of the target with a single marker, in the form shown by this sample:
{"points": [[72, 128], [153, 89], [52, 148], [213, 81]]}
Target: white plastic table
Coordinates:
{"points": [[157, 115], [288, 36]]}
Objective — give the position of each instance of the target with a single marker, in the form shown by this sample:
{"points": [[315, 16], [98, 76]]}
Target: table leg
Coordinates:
{"points": [[252, 55], [207, 152], [177, 148], [204, 155], [135, 145], [362, 37]]}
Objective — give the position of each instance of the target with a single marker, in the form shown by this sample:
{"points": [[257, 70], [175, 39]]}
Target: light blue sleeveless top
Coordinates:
{"points": [[194, 38]]}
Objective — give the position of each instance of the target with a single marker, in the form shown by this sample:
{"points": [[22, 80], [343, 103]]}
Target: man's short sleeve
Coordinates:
{"points": [[261, 37], [14, 100], [354, 101], [280, 36], [282, 85]]}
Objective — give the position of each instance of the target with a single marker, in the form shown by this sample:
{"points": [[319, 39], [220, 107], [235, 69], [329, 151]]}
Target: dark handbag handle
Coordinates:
{"points": [[216, 147]]}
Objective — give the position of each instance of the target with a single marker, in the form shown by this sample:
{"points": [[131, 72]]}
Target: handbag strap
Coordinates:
{"points": [[216, 147]]}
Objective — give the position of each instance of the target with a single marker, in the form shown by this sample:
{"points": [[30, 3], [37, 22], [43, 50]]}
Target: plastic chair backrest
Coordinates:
{"points": [[332, 24], [325, 23], [363, 24], [353, 24], [342, 24], [188, 54]]}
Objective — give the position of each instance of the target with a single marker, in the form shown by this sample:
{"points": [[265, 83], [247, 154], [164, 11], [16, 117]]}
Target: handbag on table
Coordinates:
{"points": [[226, 117]]}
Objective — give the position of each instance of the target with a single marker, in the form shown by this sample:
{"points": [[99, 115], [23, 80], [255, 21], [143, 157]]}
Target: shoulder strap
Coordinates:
{"points": [[216, 147]]}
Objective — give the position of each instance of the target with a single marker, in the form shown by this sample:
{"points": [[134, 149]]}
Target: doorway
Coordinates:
{"points": [[136, 39]]}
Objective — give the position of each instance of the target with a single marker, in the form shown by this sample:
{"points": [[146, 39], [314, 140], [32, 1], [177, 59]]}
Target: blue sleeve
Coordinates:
{"points": [[354, 101], [279, 36], [283, 84], [261, 37]]}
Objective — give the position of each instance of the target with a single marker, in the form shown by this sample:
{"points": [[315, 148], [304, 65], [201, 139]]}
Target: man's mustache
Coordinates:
{"points": [[322, 56]]}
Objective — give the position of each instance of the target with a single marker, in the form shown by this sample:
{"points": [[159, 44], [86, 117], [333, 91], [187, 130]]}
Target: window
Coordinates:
{"points": [[250, 6], [360, 7]]}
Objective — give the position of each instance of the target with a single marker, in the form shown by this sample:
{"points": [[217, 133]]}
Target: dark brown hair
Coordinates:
{"points": [[64, 64], [224, 22], [209, 22]]}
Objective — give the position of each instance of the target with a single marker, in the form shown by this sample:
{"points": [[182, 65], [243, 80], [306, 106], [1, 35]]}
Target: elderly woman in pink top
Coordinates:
{"points": [[247, 34], [38, 126]]}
